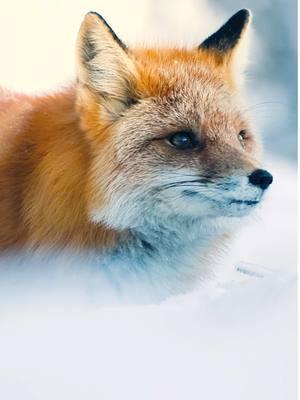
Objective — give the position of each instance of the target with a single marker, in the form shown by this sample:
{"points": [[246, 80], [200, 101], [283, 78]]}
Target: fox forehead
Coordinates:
{"points": [[163, 71], [179, 89]]}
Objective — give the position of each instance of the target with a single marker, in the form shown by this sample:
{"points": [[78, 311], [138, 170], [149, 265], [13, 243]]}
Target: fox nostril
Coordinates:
{"points": [[261, 178]]}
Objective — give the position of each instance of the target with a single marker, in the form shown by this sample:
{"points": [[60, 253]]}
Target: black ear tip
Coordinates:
{"points": [[227, 37], [96, 15], [242, 16], [93, 12], [115, 37]]}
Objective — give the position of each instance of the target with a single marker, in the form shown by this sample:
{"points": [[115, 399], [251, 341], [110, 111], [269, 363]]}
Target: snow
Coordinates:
{"points": [[238, 345]]}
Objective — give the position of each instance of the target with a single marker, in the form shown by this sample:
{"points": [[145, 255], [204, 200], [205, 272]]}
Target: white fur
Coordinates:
{"points": [[180, 230]]}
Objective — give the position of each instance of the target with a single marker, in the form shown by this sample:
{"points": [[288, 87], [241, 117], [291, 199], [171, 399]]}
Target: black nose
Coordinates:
{"points": [[261, 178]]}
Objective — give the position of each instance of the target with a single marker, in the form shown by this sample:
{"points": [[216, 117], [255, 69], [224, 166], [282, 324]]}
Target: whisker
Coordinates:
{"points": [[181, 183], [265, 106], [264, 103]]}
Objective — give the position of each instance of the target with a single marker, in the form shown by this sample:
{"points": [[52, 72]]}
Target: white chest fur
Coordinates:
{"points": [[154, 263]]}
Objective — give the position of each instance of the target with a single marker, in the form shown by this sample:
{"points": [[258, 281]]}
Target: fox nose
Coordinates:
{"points": [[261, 178]]}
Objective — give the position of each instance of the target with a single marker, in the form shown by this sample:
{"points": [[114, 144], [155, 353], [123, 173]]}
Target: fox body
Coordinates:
{"points": [[146, 162]]}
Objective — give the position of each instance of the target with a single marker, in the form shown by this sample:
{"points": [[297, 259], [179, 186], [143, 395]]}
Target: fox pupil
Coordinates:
{"points": [[242, 137], [183, 140]]}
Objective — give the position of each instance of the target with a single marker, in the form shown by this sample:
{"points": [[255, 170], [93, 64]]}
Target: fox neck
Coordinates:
{"points": [[152, 263], [177, 250]]}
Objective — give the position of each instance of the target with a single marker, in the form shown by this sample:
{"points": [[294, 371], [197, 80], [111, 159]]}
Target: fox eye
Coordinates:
{"points": [[183, 140], [242, 136]]}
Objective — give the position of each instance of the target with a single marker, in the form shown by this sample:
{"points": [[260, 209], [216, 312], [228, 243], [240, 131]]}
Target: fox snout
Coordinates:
{"points": [[261, 178]]}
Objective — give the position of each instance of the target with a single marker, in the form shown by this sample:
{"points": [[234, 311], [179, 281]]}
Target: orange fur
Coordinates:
{"points": [[43, 172]]}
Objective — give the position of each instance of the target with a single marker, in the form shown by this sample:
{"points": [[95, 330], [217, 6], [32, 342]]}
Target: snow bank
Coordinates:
{"points": [[235, 343]]}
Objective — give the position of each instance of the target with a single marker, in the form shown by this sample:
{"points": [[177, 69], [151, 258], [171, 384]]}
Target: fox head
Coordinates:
{"points": [[168, 133]]}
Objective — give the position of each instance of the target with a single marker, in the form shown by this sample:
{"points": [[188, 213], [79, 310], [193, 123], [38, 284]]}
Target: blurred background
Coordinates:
{"points": [[235, 343]]}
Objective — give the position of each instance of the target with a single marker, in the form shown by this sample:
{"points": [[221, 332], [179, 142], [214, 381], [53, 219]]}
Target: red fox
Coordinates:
{"points": [[148, 157]]}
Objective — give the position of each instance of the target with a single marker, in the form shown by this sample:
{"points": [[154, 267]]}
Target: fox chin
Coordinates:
{"points": [[146, 163]]}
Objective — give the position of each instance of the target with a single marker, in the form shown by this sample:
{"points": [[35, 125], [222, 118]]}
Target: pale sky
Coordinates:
{"points": [[37, 37]]}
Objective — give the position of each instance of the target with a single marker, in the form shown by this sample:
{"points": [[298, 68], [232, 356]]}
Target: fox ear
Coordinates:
{"points": [[226, 43], [104, 64]]}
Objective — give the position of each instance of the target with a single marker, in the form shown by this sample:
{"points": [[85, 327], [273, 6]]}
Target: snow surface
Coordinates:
{"points": [[234, 338]]}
